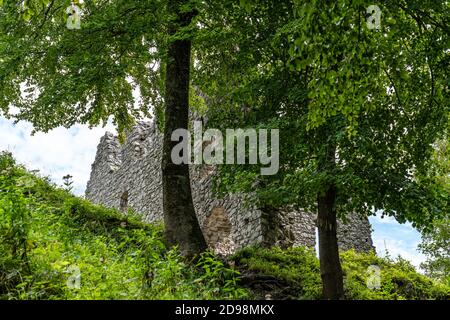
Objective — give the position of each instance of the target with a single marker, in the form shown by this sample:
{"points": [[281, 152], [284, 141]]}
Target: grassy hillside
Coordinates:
{"points": [[56, 246], [294, 274]]}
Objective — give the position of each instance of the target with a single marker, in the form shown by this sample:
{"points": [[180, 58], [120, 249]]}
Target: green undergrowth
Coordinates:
{"points": [[56, 246], [295, 274]]}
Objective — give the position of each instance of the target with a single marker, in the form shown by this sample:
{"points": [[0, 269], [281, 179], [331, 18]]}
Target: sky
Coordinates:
{"points": [[72, 151]]}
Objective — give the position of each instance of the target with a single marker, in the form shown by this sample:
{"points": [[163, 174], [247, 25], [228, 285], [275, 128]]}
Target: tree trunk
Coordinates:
{"points": [[330, 265], [181, 224]]}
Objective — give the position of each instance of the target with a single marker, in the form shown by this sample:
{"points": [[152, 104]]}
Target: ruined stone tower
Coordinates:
{"points": [[129, 176]]}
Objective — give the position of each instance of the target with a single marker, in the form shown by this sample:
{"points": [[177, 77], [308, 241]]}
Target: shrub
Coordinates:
{"points": [[297, 269], [398, 279]]}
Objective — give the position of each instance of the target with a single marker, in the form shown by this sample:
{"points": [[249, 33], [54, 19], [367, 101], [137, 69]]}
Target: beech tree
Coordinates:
{"points": [[358, 108], [180, 220], [53, 74]]}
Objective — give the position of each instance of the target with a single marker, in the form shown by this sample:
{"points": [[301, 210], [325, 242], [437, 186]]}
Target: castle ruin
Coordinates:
{"points": [[129, 176]]}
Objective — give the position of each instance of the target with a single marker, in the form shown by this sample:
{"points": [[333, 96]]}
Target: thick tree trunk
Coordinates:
{"points": [[330, 265], [182, 227]]}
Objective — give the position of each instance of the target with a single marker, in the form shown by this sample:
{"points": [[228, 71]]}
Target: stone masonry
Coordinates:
{"points": [[129, 176]]}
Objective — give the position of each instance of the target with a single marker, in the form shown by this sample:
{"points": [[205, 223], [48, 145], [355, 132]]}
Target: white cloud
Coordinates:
{"points": [[57, 153]]}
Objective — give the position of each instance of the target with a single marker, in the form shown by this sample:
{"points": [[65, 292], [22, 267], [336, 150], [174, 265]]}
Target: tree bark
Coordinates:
{"points": [[330, 265], [181, 225]]}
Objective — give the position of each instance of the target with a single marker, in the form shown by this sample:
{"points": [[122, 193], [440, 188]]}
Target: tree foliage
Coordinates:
{"points": [[55, 76], [303, 66]]}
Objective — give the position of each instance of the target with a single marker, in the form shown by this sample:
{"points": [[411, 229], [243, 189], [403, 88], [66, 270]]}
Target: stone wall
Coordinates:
{"points": [[129, 176]]}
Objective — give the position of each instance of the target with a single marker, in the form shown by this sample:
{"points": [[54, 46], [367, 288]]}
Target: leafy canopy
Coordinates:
{"points": [[315, 71]]}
